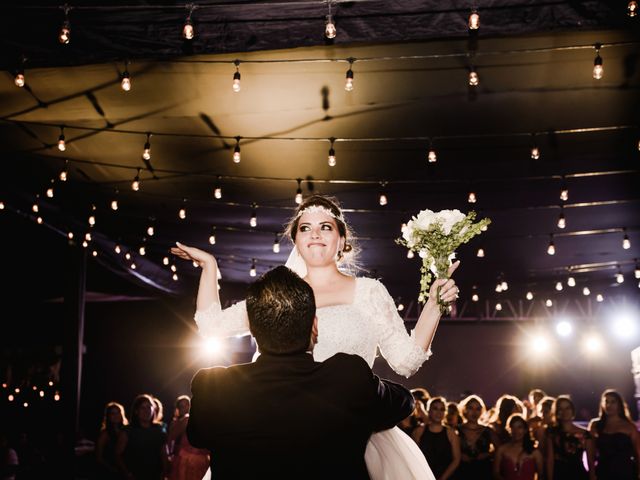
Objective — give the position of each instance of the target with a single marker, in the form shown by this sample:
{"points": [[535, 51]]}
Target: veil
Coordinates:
{"points": [[296, 263]]}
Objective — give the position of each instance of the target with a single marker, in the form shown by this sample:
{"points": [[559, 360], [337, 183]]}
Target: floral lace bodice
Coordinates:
{"points": [[371, 321]]}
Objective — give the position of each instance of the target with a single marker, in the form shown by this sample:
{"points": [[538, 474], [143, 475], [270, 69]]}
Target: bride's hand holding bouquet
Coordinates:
{"points": [[435, 236]]}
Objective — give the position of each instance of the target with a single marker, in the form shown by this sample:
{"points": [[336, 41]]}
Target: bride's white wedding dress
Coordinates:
{"points": [[370, 322]]}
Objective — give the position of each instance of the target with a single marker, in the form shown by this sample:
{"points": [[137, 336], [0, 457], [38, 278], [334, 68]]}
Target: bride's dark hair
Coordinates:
{"points": [[332, 205]]}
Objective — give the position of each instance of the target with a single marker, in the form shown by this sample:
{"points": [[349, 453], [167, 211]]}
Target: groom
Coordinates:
{"points": [[286, 416]]}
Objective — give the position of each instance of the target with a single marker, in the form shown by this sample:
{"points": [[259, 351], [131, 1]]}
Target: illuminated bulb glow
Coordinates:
{"points": [[348, 84], [10, 398], [624, 327], [474, 20], [70, 235], [480, 253], [173, 268], [127, 256], [598, 70], [1, 205], [529, 296], [64, 36], [599, 298], [551, 249], [62, 146], [504, 285], [593, 344], [87, 237], [114, 204], [56, 397], [92, 220], [85, 244], [559, 286], [535, 153], [626, 243], [410, 254], [475, 297], [632, 8], [332, 157], [499, 307], [564, 328], [142, 250], [474, 79], [19, 80], [564, 194], [151, 231], [562, 222], [472, 197], [217, 193], [298, 198], [188, 32], [165, 261], [549, 302], [330, 30], [175, 277], [34, 208], [135, 185], [94, 253], [432, 157], [236, 153], [133, 266], [236, 82], [540, 344], [383, 199], [252, 271], [637, 272], [63, 176], [146, 152], [619, 277], [253, 221], [276, 246], [586, 292], [400, 307], [182, 213], [126, 81], [571, 282], [39, 220], [117, 249], [212, 239]]}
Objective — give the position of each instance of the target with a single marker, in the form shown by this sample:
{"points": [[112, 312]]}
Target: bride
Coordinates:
{"points": [[356, 315]]}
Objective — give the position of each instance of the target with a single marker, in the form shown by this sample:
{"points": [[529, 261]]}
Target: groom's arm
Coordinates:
{"points": [[198, 426], [393, 402]]}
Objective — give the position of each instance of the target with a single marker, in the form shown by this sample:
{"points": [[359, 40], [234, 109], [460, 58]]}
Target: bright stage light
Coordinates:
{"points": [[539, 344], [593, 344], [624, 326], [212, 346], [564, 328]]}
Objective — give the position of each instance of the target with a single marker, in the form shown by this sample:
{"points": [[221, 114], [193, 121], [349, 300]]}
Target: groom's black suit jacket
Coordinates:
{"points": [[287, 416]]}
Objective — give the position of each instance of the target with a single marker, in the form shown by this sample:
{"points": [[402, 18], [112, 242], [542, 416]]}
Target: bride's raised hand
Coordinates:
{"points": [[194, 254], [445, 288]]}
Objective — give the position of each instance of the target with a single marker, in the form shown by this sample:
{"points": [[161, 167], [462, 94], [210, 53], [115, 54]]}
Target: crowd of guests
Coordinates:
{"points": [[534, 438], [537, 438]]}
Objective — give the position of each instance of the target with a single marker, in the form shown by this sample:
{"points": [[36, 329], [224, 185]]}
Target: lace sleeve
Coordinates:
{"points": [[216, 322], [396, 345]]}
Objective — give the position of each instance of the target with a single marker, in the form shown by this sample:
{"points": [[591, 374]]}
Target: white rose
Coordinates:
{"points": [[424, 219], [448, 218]]}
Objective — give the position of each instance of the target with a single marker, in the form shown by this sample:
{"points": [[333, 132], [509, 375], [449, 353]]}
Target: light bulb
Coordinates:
{"points": [[126, 81], [135, 185], [188, 31], [472, 197], [619, 277], [64, 36], [474, 79], [212, 239], [182, 213], [92, 220], [586, 291], [276, 246], [432, 157], [499, 306], [559, 286], [551, 249], [535, 153], [474, 20], [410, 254], [637, 272], [165, 261], [475, 297], [175, 277], [562, 222], [348, 84], [217, 193], [236, 82], [632, 8], [146, 152], [151, 231], [383, 199], [529, 296], [50, 192], [253, 221], [236, 153], [598, 70], [142, 250], [63, 175], [117, 248], [599, 298], [626, 243], [330, 30], [19, 80], [480, 253], [62, 146], [332, 157], [298, 198], [549, 302], [564, 194], [252, 271], [571, 282], [114, 204]]}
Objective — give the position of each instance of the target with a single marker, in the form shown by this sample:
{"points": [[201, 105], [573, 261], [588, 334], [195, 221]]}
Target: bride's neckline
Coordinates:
{"points": [[352, 302]]}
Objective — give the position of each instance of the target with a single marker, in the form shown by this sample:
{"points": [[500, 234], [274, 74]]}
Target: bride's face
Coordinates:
{"points": [[318, 239]]}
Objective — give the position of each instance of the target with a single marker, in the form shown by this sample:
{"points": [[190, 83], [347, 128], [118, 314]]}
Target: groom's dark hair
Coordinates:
{"points": [[281, 309]]}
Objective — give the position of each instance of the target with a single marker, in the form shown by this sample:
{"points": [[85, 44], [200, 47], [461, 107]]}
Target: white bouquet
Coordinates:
{"points": [[435, 236]]}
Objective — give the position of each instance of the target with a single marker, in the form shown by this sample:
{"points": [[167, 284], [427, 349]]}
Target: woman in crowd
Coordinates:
{"points": [[439, 443], [186, 461], [616, 438], [477, 442], [518, 459], [567, 443], [113, 421]]}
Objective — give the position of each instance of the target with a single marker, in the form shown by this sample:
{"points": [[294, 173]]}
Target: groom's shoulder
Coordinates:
{"points": [[347, 363], [215, 375]]}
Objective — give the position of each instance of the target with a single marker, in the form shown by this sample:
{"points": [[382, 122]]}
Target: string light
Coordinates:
{"points": [[529, 296], [472, 197], [34, 207], [62, 146], [619, 275], [63, 173], [19, 79], [632, 8], [410, 254], [146, 151], [586, 292], [535, 151], [330, 30], [236, 151], [50, 190], [165, 260], [480, 253], [236, 77], [276, 245], [564, 191], [142, 250], [382, 200], [298, 197], [475, 297], [212, 237], [188, 31], [548, 302], [114, 202], [626, 243], [637, 270], [175, 277], [151, 231], [348, 84], [562, 223], [332, 154], [117, 248], [173, 268], [474, 20], [598, 70], [252, 271], [474, 79], [125, 82], [431, 156], [253, 221], [135, 185], [217, 192], [571, 282], [559, 286], [599, 298], [551, 249], [499, 307], [64, 35], [182, 213]]}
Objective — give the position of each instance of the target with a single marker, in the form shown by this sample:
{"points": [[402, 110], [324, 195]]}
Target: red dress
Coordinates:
{"points": [[525, 470]]}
